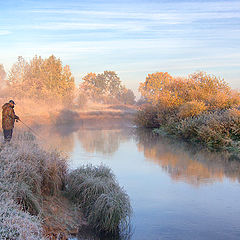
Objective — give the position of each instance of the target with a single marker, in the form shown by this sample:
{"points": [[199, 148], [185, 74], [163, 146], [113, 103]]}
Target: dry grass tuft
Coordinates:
{"points": [[111, 211], [96, 191]]}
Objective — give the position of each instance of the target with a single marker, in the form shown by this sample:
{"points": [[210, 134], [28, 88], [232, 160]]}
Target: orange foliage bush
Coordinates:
{"points": [[166, 92], [190, 109], [201, 108]]}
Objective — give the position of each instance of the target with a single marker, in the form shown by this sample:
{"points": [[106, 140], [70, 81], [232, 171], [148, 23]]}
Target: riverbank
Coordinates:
{"points": [[215, 130], [36, 198]]}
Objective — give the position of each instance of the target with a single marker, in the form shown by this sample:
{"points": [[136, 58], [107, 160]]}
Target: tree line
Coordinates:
{"points": [[48, 79]]}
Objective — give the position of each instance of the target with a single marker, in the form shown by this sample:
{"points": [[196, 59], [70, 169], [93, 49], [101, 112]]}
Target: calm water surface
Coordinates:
{"points": [[176, 192]]}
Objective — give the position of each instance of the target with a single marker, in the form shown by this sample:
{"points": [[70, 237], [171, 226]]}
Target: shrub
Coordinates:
{"points": [[216, 129], [191, 109], [147, 117], [105, 204], [201, 108]]}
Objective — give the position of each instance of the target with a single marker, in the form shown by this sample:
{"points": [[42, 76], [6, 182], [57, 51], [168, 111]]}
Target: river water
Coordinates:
{"points": [[176, 191]]}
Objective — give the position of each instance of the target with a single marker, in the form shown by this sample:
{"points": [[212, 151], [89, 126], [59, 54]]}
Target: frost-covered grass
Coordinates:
{"points": [[16, 223], [105, 204], [27, 173], [219, 130]]}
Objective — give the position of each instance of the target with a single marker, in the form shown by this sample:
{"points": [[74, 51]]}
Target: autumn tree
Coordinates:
{"points": [[42, 78], [126, 96], [195, 92], [159, 89], [113, 83], [16, 77], [154, 85], [106, 85], [93, 85], [213, 91]]}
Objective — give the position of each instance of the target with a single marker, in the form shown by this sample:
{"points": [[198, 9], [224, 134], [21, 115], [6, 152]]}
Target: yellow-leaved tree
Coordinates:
{"points": [[45, 79], [163, 90], [106, 87], [199, 91]]}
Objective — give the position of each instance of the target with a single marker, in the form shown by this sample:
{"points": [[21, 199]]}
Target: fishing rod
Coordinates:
{"points": [[30, 129]]}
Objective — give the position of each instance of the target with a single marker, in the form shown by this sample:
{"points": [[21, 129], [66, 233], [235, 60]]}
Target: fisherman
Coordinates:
{"points": [[8, 119]]}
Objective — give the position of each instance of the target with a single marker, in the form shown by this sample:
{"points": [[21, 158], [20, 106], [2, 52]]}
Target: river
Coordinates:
{"points": [[176, 191]]}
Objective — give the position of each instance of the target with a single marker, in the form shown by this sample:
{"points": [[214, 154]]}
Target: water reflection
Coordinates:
{"points": [[60, 137], [181, 161], [102, 141], [184, 162], [95, 135]]}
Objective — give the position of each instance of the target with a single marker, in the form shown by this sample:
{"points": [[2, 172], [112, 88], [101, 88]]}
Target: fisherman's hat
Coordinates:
{"points": [[11, 101]]}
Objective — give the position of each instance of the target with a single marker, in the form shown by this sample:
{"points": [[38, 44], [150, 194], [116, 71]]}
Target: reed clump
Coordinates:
{"points": [[96, 191], [200, 108]]}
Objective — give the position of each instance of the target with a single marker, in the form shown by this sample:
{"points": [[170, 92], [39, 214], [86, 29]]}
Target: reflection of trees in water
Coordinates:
{"points": [[184, 162], [58, 138], [102, 136], [103, 141]]}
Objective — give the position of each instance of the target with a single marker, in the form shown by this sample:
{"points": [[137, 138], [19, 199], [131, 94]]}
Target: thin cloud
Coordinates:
{"points": [[4, 32], [56, 26], [111, 14], [177, 12], [113, 45], [122, 26]]}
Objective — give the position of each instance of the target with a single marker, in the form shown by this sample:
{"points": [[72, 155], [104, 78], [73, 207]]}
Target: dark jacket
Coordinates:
{"points": [[8, 117]]}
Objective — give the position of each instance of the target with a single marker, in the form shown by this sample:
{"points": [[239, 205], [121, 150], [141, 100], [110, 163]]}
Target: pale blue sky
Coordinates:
{"points": [[133, 38]]}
